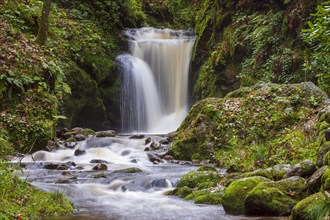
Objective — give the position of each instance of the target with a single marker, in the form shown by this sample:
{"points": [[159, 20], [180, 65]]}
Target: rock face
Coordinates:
{"points": [[236, 193], [276, 198], [252, 122]]}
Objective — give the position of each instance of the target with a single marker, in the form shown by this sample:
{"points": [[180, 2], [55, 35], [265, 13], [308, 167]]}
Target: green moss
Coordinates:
{"points": [[326, 180], [206, 197], [276, 198], [199, 179], [252, 128], [235, 195], [306, 208], [183, 191], [326, 159], [21, 199]]}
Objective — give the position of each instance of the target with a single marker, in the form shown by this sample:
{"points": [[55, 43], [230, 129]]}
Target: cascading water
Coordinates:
{"points": [[155, 80]]}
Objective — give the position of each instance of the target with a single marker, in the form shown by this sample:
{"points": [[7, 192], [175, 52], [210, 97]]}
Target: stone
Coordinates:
{"points": [[100, 166], [326, 159], [327, 134], [100, 175], [99, 161], [154, 158], [276, 198], [325, 148], [109, 133], [314, 182], [168, 157], [70, 145], [277, 172], [148, 140], [302, 210], [164, 141], [155, 146], [137, 136], [129, 170], [184, 191], [326, 180], [79, 137], [303, 169], [234, 196], [133, 161], [79, 152], [125, 152]]}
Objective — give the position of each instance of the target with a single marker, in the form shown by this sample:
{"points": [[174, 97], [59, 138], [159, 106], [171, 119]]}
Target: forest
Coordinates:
{"points": [[259, 91]]}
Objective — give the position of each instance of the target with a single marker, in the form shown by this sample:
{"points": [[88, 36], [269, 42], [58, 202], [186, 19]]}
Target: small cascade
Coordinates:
{"points": [[155, 80]]}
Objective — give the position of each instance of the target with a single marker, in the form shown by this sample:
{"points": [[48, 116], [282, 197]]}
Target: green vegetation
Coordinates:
{"points": [[23, 201]]}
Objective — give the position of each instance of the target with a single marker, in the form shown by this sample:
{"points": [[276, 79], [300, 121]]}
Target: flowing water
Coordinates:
{"points": [[155, 80]]}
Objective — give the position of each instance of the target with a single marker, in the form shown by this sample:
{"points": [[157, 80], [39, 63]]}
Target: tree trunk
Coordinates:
{"points": [[44, 22]]}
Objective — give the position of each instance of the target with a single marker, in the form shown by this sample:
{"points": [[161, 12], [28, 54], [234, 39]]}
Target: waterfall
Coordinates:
{"points": [[154, 97]]}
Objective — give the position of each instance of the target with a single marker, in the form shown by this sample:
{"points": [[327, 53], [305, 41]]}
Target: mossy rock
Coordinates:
{"points": [[315, 181], [275, 173], [206, 197], [326, 180], [129, 170], [324, 149], [183, 191], [199, 179], [303, 210], [235, 195], [207, 168], [326, 158], [276, 198], [327, 117]]}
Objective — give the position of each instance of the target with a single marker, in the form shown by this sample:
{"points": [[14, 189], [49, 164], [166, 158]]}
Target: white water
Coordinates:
{"points": [[155, 80]]}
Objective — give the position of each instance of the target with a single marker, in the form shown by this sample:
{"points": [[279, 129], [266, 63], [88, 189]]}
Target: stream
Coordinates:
{"points": [[113, 193]]}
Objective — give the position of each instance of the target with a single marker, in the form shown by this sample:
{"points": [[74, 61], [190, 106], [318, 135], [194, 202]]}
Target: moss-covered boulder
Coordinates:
{"points": [[324, 149], [207, 196], [326, 180], [200, 179], [326, 158], [308, 208], [303, 169], [275, 173], [314, 182], [234, 196], [276, 198], [255, 127]]}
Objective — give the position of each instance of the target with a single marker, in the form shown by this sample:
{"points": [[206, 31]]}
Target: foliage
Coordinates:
{"points": [[252, 128], [318, 38], [21, 200]]}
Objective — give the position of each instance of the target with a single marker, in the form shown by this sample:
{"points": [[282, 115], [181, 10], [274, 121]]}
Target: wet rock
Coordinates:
{"points": [[137, 136], [147, 149], [64, 166], [65, 181], [66, 173], [276, 198], [303, 169], [51, 166], [125, 152], [133, 161], [161, 183], [302, 210], [100, 166], [314, 182], [99, 176], [154, 158], [155, 145], [79, 152], [168, 157], [327, 134], [108, 133], [185, 163], [60, 133], [164, 141], [99, 161], [325, 148], [70, 145], [148, 140], [234, 196], [184, 191], [79, 137], [129, 170]]}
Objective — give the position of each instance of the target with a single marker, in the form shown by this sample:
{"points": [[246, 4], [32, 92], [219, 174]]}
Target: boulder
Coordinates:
{"points": [[79, 152], [327, 134], [314, 182], [168, 157], [276, 198], [154, 158], [137, 136], [200, 179], [155, 145], [183, 191], [326, 159], [276, 173], [325, 148], [326, 180], [303, 211], [109, 133], [327, 117], [148, 140], [99, 161], [129, 170], [303, 169], [100, 166], [212, 197], [234, 196]]}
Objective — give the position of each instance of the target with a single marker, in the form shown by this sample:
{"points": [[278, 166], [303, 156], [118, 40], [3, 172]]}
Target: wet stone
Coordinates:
{"points": [[154, 158], [100, 167], [109, 133], [164, 141], [148, 140], [137, 136], [99, 161], [327, 134], [133, 161], [168, 157], [99, 176], [125, 152], [79, 152]]}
